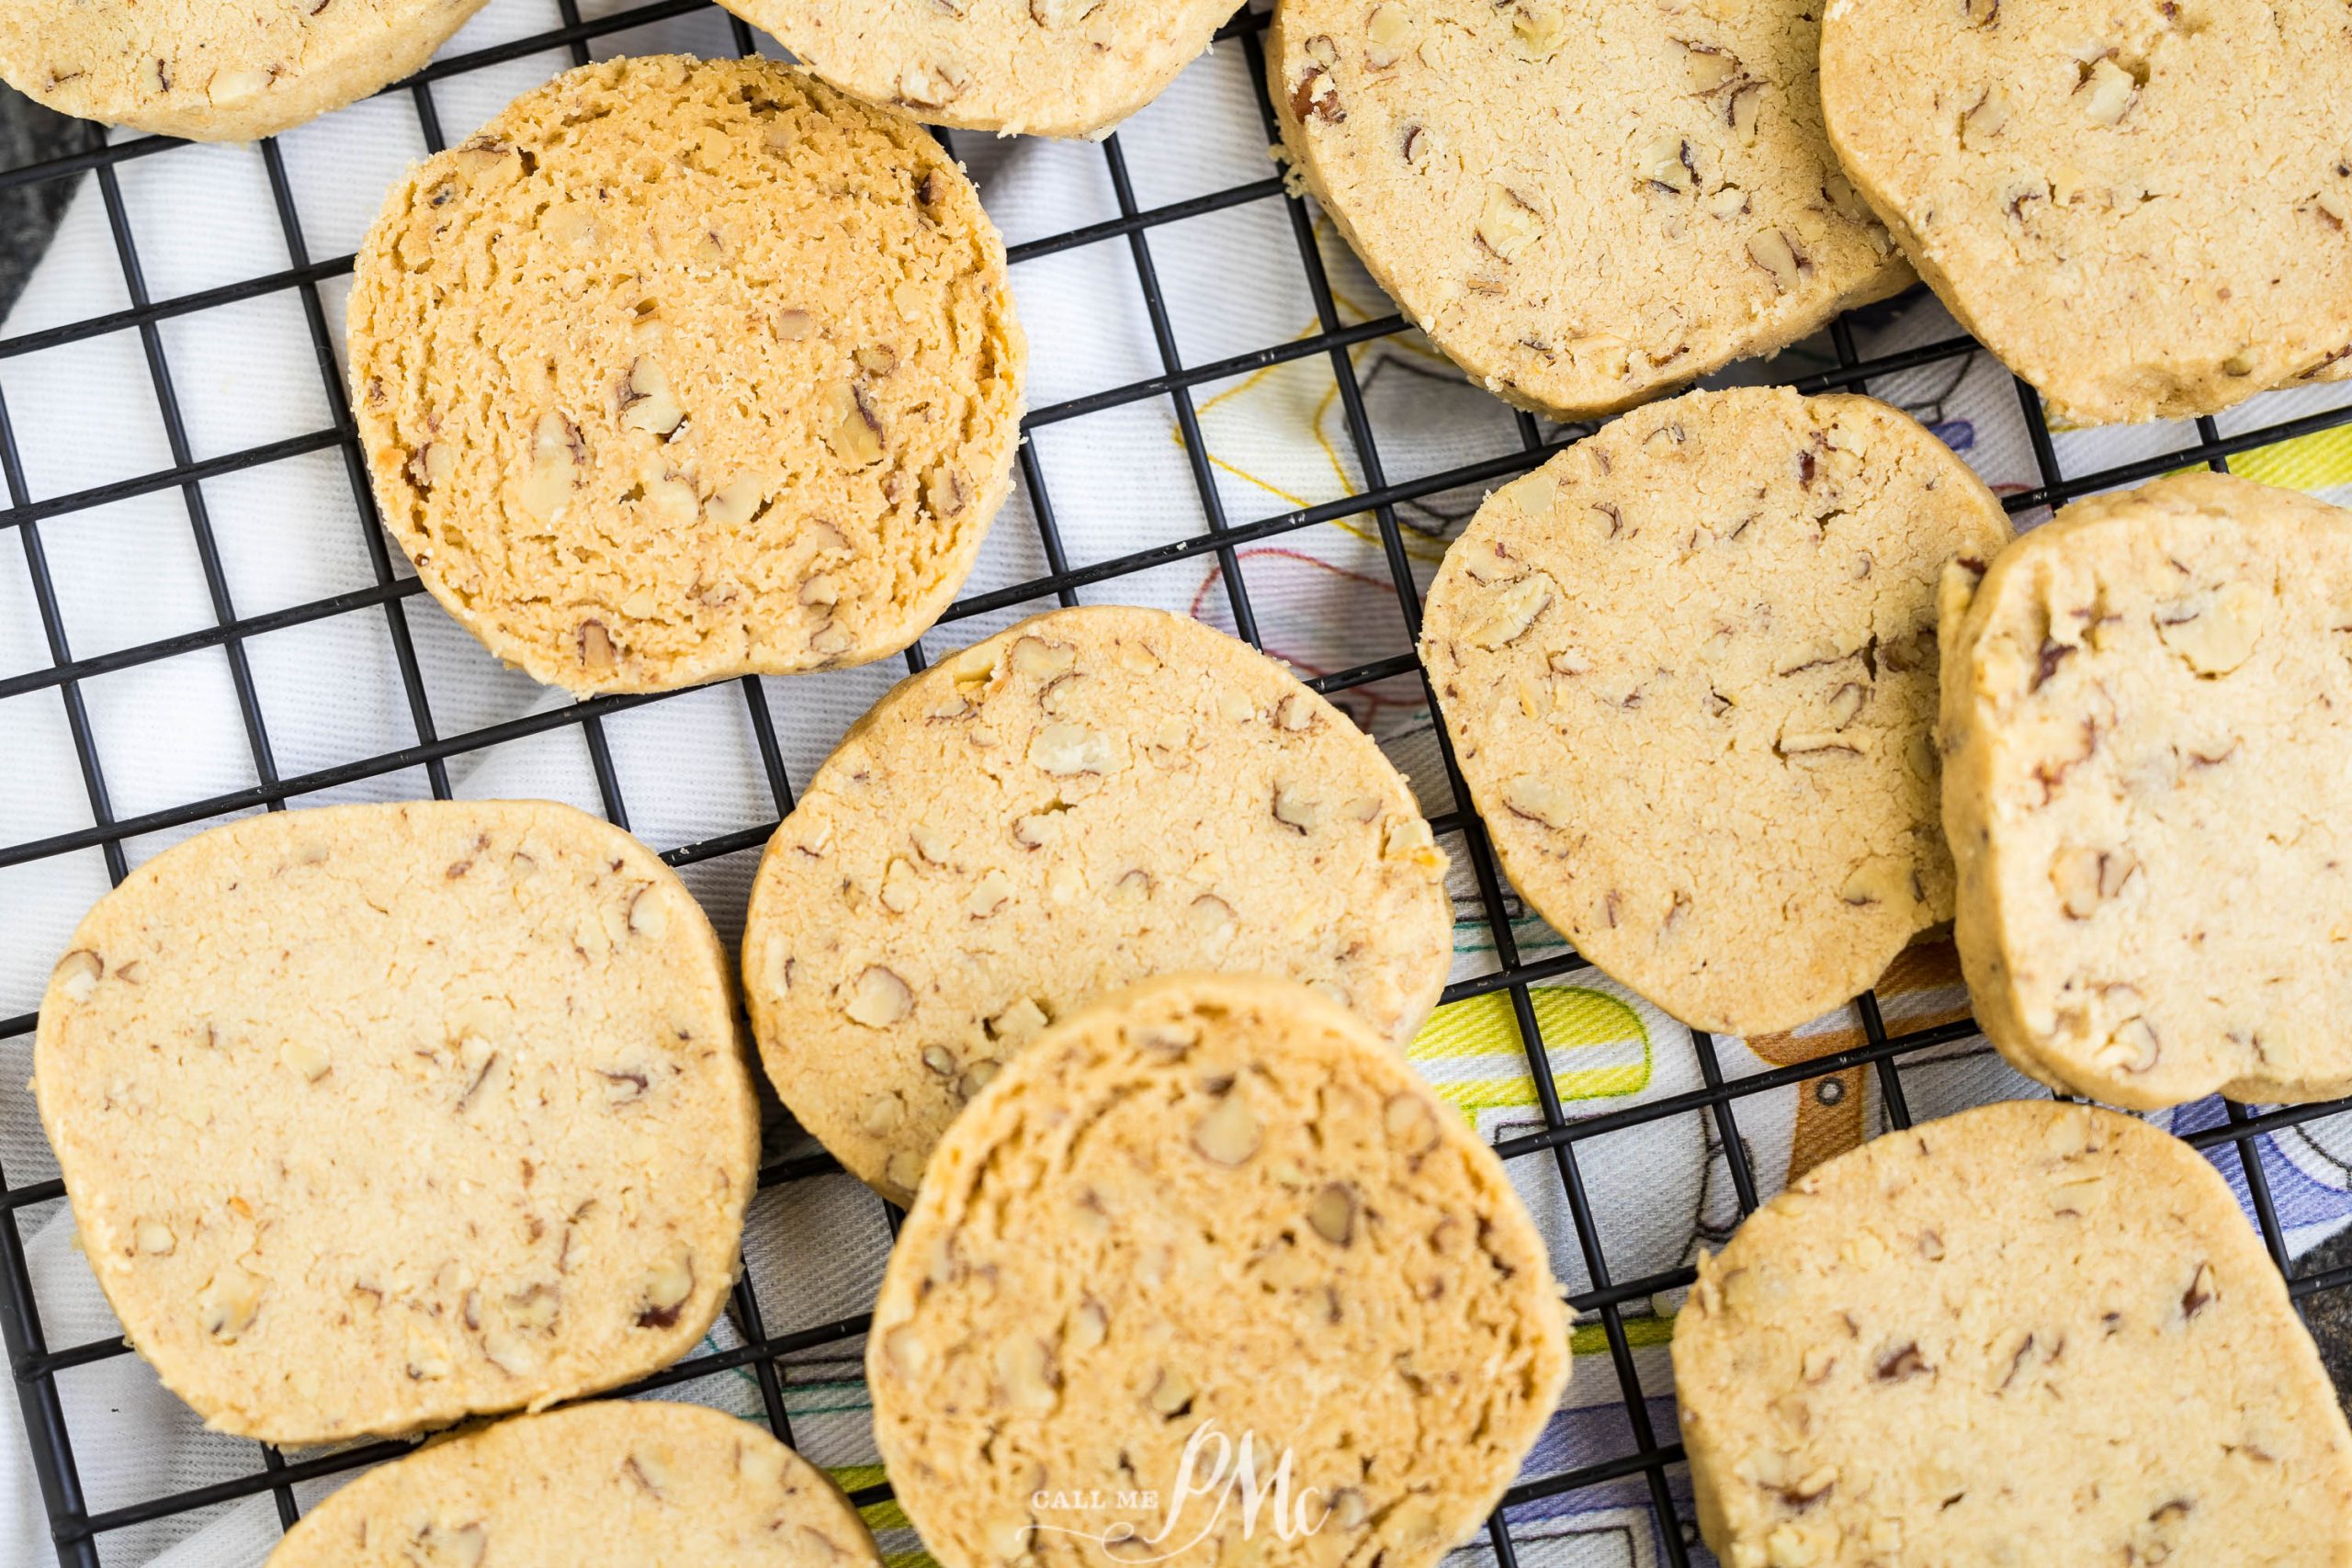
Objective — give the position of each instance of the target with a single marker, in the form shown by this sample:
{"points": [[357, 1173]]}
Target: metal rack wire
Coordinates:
{"points": [[1650, 1465]]}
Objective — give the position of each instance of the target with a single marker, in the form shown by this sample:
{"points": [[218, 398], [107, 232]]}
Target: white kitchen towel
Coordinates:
{"points": [[170, 732]]}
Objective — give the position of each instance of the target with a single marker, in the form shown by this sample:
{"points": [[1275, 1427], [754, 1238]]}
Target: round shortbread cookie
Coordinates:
{"points": [[2148, 724], [2029, 1333], [216, 70], [1093, 796], [616, 1484], [380, 1116], [1689, 666], [2144, 210], [1035, 67], [685, 369], [1580, 202], [1212, 1210]]}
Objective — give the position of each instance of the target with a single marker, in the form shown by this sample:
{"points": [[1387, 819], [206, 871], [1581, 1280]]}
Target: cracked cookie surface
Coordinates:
{"points": [[2029, 1333], [2144, 210], [1211, 1209], [1581, 202], [2148, 724], [1035, 67], [682, 369], [214, 71], [374, 1117], [614, 1485], [1689, 666], [1090, 797]]}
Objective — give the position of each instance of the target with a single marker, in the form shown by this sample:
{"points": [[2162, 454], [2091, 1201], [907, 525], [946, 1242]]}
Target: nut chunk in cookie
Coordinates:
{"points": [[1689, 666], [2147, 727], [1211, 1211], [2029, 1333]]}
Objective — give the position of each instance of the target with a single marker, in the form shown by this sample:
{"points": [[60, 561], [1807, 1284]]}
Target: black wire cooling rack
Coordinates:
{"points": [[1651, 1462]]}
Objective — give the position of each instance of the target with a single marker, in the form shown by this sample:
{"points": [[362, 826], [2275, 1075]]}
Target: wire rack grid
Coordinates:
{"points": [[1652, 1459]]}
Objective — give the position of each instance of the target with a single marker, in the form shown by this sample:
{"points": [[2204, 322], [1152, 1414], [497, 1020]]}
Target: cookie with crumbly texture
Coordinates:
{"points": [[1580, 202], [376, 1117], [2147, 722], [606, 1485], [2144, 210], [1210, 1210], [1093, 796], [683, 369], [212, 71], [2029, 1333], [1035, 67], [1689, 666]]}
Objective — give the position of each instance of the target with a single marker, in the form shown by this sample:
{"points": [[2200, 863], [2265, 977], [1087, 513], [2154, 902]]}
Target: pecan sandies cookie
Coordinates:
{"points": [[2148, 722], [618, 1485], [1581, 202], [2145, 209], [1035, 67], [1092, 797], [1689, 666], [2029, 1333], [1212, 1210], [213, 71], [377, 1117], [683, 369]]}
